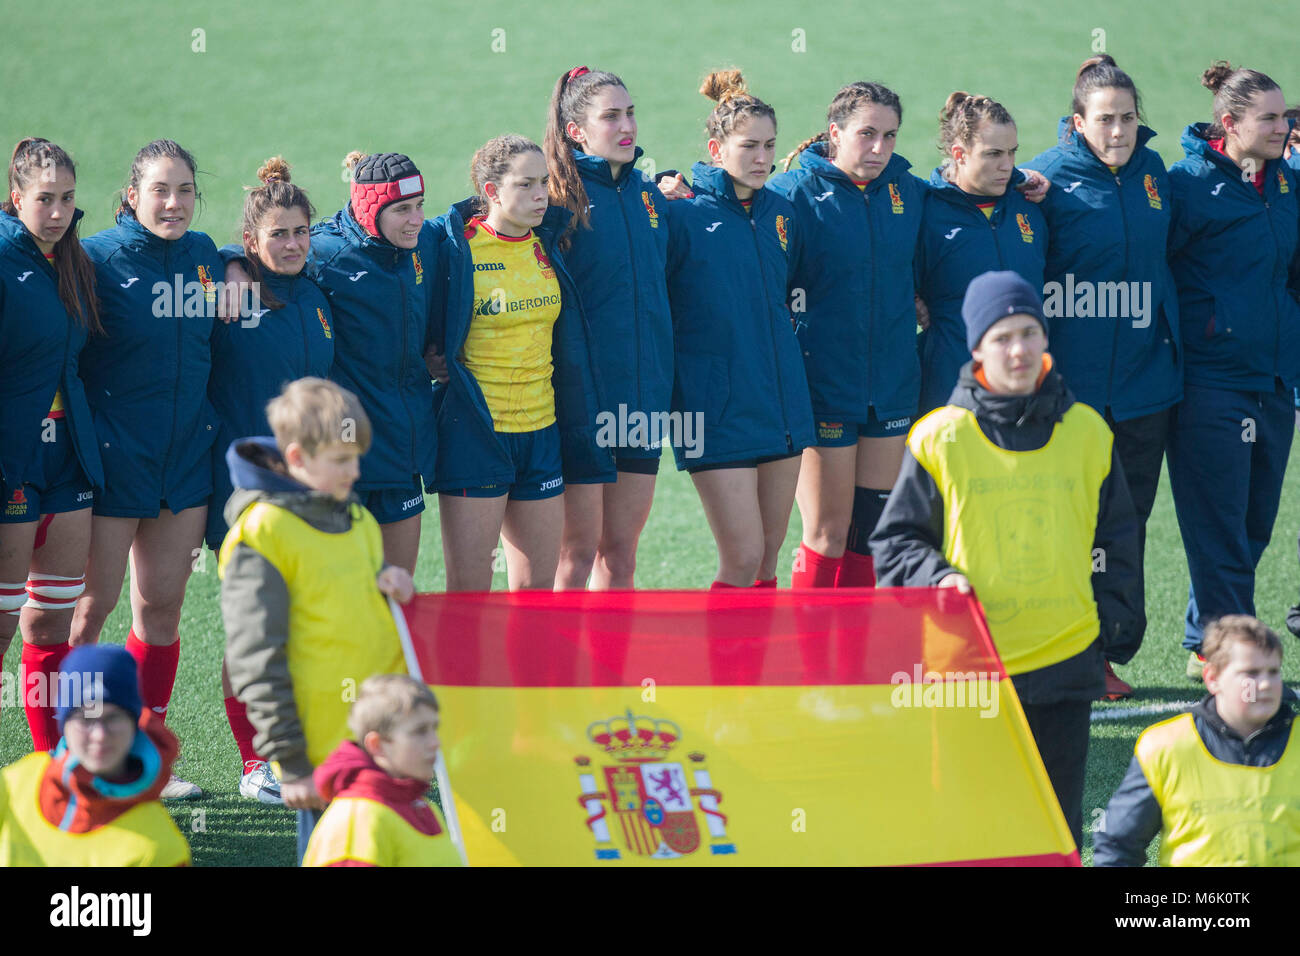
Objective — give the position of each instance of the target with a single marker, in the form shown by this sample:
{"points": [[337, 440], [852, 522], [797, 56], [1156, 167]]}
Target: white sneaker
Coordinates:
{"points": [[178, 789], [259, 783]]}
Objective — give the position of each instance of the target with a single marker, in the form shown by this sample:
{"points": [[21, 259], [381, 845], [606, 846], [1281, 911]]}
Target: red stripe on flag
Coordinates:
{"points": [[742, 637], [1038, 859]]}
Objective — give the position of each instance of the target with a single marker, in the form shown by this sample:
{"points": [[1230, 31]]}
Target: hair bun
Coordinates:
{"points": [[1216, 75], [351, 159], [722, 85], [274, 169], [954, 102]]}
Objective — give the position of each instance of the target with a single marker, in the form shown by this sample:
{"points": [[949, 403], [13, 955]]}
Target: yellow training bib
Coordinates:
{"points": [[1215, 813], [1020, 525], [142, 836]]}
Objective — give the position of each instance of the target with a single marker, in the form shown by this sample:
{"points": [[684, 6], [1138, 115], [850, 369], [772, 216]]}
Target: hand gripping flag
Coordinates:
{"points": [[753, 727]]}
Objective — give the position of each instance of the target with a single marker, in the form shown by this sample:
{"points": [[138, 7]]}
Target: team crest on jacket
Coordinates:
{"points": [[1282, 187], [419, 267], [895, 199], [543, 262], [780, 231], [1026, 231], [1153, 195], [650, 209], [640, 803], [320, 314], [209, 287]]}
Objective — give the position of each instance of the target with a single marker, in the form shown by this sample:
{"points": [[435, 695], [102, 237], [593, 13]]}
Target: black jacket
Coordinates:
{"points": [[907, 544], [1133, 816]]}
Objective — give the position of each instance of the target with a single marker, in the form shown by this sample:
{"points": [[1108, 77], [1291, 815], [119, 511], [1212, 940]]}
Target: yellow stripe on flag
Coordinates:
{"points": [[745, 775]]}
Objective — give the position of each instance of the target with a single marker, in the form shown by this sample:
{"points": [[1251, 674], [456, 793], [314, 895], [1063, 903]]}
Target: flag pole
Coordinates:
{"points": [[439, 767]]}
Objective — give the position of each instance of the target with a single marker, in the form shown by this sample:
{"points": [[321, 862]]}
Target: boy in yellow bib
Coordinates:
{"points": [[1013, 489], [1221, 783], [93, 799], [378, 814], [303, 581]]}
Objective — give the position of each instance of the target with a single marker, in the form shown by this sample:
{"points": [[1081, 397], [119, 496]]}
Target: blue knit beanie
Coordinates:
{"points": [[98, 674], [995, 295]]}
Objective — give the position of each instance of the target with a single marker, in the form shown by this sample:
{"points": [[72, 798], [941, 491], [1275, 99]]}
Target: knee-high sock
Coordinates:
{"points": [[858, 571], [40, 668], [813, 570], [157, 667], [242, 730]]}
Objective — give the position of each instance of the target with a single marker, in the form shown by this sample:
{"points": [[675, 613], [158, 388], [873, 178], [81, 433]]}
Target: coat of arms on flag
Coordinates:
{"points": [[653, 814]]}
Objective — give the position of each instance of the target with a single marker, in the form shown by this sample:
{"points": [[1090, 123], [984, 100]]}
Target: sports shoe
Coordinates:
{"points": [[259, 783], [178, 789], [1116, 687], [1195, 666]]}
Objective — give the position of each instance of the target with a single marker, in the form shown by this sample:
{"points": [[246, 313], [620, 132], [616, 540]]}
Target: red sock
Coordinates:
{"points": [[814, 570], [243, 731], [760, 583], [721, 586], [157, 666], [857, 571], [40, 664]]}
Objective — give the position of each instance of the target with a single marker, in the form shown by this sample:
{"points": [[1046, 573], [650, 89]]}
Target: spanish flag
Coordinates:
{"points": [[748, 727]]}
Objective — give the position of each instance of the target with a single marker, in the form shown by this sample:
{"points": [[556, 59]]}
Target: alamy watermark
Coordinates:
{"points": [[976, 689], [1100, 300], [648, 430]]}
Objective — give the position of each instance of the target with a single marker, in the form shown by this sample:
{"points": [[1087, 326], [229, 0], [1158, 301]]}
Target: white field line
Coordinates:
{"points": [[1124, 713]]}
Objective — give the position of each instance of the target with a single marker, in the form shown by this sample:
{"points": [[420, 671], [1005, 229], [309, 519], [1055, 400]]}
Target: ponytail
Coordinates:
{"points": [[790, 157], [570, 99]]}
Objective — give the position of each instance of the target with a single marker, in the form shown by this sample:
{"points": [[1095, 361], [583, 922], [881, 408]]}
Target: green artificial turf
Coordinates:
{"points": [[312, 81]]}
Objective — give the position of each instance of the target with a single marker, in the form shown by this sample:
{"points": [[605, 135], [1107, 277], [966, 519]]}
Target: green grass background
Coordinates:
{"points": [[313, 81]]}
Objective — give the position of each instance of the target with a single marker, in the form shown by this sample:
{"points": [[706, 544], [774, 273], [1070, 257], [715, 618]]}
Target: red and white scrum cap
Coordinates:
{"points": [[379, 180]]}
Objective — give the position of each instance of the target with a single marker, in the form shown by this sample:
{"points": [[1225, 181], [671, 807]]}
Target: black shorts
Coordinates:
{"points": [[742, 463]]}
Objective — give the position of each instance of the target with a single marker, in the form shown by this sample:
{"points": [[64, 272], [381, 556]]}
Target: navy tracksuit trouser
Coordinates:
{"points": [[1227, 455]]}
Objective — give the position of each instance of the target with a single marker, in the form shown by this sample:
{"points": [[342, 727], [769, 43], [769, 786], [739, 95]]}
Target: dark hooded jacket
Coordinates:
{"points": [[908, 543]]}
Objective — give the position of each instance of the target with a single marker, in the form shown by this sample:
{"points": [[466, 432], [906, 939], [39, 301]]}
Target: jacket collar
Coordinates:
{"points": [[1047, 405], [950, 191], [553, 223], [351, 772], [76, 801], [1195, 142], [353, 232], [597, 167], [13, 231], [1073, 140], [716, 182], [1207, 709], [255, 471], [815, 159], [136, 236]]}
